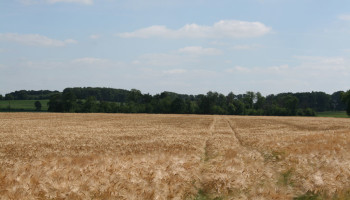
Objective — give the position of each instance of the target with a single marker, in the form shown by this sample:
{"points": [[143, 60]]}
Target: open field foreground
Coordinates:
{"points": [[139, 156]]}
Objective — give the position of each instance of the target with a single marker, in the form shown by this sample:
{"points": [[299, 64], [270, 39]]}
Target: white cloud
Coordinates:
{"points": [[31, 2], [89, 60], [184, 56], [259, 70], [42, 65], [162, 60], [221, 29], [34, 40], [95, 36], [319, 64], [246, 47], [182, 73], [309, 66], [93, 63], [86, 63], [219, 43], [313, 69], [280, 68], [198, 50], [327, 74], [238, 69], [175, 71], [344, 17], [321, 59]]}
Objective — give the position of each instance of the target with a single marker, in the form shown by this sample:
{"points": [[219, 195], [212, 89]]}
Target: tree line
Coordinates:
{"points": [[29, 95], [109, 100], [250, 103]]}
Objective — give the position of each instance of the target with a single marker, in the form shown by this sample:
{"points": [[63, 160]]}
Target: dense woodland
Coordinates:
{"points": [[109, 100]]}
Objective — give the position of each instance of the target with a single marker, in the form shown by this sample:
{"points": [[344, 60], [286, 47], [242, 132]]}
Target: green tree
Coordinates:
{"points": [[105, 107], [1, 97], [90, 105], [231, 109], [239, 107], [37, 105], [135, 96], [69, 102], [249, 99], [336, 101], [164, 104], [346, 100], [206, 103], [309, 112], [55, 103], [178, 106], [290, 102], [191, 107], [260, 101], [9, 97], [22, 95], [230, 98]]}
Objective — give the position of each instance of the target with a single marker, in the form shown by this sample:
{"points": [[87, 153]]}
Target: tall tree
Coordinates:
{"points": [[178, 106], [260, 101], [346, 100], [291, 104], [135, 96], [239, 107], [230, 98], [9, 97], [336, 101], [249, 99], [37, 105], [55, 103], [90, 105], [207, 102], [69, 102]]}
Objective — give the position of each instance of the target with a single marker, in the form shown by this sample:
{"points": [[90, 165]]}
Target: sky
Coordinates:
{"points": [[183, 46]]}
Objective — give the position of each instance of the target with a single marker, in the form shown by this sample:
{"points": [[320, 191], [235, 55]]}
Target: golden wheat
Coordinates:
{"points": [[139, 156]]}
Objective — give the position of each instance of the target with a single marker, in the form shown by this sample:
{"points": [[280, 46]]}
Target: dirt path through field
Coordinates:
{"points": [[307, 154], [209, 137], [234, 169]]}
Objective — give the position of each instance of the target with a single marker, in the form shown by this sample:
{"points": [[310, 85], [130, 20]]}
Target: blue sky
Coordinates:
{"points": [[190, 47]]}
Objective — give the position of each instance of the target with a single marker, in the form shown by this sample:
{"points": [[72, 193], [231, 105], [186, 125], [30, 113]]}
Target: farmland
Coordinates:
{"points": [[142, 156], [22, 105], [339, 114]]}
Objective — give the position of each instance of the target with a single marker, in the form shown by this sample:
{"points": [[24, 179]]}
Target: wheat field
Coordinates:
{"points": [[140, 156]]}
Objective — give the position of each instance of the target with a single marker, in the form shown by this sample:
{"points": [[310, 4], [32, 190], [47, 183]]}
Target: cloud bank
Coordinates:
{"points": [[198, 50], [34, 40], [221, 29], [344, 17]]}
